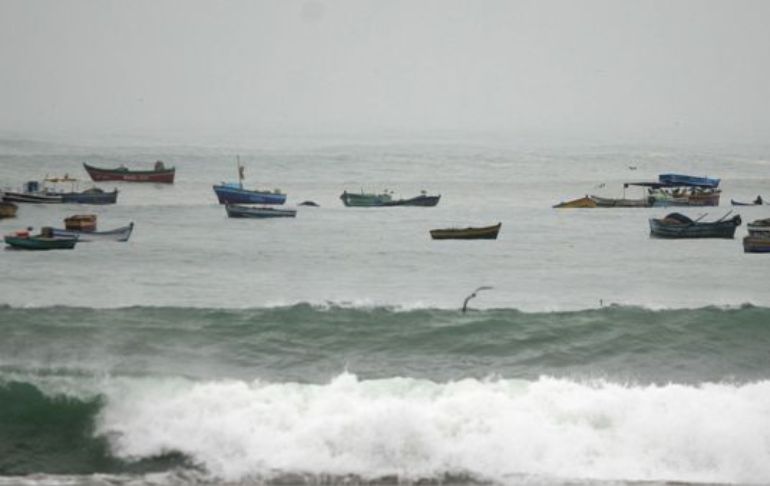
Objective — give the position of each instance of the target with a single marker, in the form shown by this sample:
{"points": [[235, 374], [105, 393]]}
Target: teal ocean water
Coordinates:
{"points": [[330, 349]]}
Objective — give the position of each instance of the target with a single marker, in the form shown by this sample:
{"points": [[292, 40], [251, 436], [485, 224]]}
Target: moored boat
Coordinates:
{"points": [[160, 174], [240, 211], [677, 225], [234, 193], [118, 234], [756, 202], [385, 199], [32, 193], [8, 209], [760, 227], [43, 241], [756, 244], [470, 233]]}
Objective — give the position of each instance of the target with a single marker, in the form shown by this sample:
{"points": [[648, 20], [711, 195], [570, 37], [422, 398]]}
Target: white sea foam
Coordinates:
{"points": [[413, 429]]}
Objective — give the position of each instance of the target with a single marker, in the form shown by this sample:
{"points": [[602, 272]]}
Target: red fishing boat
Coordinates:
{"points": [[160, 174]]}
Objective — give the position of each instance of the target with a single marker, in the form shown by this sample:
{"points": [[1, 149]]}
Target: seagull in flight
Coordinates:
{"points": [[465, 302]]}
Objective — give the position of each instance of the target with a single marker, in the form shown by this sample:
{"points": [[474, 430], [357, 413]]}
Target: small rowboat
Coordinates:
{"points": [[603, 202], [44, 241], [760, 227], [8, 209], [239, 211], [118, 234], [159, 174], [756, 244], [470, 233], [756, 202], [676, 225]]}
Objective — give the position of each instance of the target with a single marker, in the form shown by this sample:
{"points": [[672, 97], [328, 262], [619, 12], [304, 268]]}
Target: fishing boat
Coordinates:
{"points": [[583, 202], [43, 241], [8, 209], [160, 174], [32, 193], [240, 211], [92, 195], [760, 227], [81, 222], [470, 233], [756, 202], [234, 193], [385, 199], [677, 225], [756, 244], [118, 234]]}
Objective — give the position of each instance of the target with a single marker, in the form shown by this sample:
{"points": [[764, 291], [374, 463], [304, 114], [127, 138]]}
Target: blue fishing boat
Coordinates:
{"points": [[686, 180], [234, 193]]}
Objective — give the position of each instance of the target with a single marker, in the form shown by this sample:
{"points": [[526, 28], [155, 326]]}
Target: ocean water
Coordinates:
{"points": [[329, 348]]}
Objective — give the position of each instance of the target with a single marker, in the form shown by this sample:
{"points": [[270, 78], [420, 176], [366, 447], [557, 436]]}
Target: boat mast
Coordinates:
{"points": [[240, 170]]}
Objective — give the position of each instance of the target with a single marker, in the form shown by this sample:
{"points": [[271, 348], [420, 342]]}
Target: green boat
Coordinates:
{"points": [[44, 241], [367, 200]]}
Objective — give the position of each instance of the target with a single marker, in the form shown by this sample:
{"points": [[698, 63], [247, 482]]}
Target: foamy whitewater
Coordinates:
{"points": [[329, 348]]}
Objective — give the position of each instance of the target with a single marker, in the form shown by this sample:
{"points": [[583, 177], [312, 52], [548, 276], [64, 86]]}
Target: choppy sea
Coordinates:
{"points": [[330, 349]]}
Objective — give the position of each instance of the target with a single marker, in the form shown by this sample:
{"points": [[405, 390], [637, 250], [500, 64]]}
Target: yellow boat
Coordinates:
{"points": [[583, 202]]}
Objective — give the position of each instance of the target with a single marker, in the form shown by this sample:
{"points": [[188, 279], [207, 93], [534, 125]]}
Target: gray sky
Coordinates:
{"points": [[606, 68]]}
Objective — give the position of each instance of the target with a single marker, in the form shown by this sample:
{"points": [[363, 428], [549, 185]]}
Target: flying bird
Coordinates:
{"points": [[465, 302]]}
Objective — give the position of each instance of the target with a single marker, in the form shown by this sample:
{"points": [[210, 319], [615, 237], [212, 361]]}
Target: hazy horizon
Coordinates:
{"points": [[684, 71]]}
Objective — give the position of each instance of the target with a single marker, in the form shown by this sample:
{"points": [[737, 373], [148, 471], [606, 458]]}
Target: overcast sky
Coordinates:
{"points": [[695, 69]]}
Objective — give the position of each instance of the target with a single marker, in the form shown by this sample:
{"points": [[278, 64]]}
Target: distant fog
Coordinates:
{"points": [[657, 69]]}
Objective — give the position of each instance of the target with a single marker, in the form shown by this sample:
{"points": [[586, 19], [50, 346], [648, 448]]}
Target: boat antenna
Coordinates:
{"points": [[465, 302], [240, 170]]}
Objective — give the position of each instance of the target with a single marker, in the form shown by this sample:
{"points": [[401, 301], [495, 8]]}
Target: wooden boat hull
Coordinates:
{"points": [[738, 203], [350, 199], [40, 243], [384, 200], [233, 195], [81, 222], [482, 233], [165, 176], [420, 201], [583, 202], [8, 210], [32, 198], [760, 228], [659, 228], [603, 202], [754, 244], [90, 197], [238, 211], [118, 234]]}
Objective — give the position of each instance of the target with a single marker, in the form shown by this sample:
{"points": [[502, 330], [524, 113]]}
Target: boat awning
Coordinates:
{"points": [[658, 185]]}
